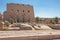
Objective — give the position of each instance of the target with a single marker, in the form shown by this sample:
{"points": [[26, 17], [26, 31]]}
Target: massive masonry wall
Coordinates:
{"points": [[19, 12]]}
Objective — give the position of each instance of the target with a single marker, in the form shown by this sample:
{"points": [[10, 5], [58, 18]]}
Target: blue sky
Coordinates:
{"points": [[42, 8]]}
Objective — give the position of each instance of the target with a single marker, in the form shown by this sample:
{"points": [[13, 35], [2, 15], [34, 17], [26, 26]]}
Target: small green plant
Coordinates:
{"points": [[37, 19], [56, 20], [12, 21]]}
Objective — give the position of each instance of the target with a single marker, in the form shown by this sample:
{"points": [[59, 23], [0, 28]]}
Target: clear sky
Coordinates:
{"points": [[42, 8]]}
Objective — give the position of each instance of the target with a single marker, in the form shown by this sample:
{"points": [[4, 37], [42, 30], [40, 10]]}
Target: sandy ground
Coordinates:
{"points": [[29, 34]]}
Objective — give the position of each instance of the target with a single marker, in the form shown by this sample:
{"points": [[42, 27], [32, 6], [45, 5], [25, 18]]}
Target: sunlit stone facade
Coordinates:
{"points": [[19, 12]]}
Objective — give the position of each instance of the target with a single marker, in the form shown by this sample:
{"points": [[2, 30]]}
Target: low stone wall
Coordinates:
{"points": [[46, 37]]}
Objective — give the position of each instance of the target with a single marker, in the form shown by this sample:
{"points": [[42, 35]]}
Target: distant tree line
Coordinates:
{"points": [[48, 20]]}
